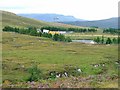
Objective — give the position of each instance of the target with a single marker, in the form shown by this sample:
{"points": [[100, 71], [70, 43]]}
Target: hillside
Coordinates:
{"points": [[51, 17], [106, 23], [12, 19]]}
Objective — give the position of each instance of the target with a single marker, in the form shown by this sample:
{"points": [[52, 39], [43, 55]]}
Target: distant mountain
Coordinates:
{"points": [[51, 17], [106, 23]]}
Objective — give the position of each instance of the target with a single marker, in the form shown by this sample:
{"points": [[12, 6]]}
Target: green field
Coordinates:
{"points": [[20, 52]]}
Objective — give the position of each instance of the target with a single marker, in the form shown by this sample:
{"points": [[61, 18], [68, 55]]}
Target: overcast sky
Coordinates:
{"points": [[83, 9]]}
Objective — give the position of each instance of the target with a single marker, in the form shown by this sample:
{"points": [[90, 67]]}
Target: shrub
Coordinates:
{"points": [[56, 37], [61, 37], [36, 74], [71, 70], [102, 40], [97, 39], [114, 40], [68, 39], [48, 35], [98, 70], [108, 41], [33, 33]]}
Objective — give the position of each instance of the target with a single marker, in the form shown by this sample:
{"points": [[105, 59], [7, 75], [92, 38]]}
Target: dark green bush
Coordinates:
{"points": [[68, 39], [108, 41], [35, 73]]}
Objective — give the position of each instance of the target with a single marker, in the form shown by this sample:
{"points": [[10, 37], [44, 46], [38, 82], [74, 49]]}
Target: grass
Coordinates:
{"points": [[20, 52]]}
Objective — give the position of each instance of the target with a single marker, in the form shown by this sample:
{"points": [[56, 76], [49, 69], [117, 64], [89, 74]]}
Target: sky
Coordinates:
{"points": [[82, 9]]}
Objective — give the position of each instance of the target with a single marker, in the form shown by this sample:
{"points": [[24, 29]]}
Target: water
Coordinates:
{"points": [[84, 41]]}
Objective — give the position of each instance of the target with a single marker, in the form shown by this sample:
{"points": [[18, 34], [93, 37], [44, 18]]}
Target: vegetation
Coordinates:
{"points": [[61, 37], [36, 73], [97, 40], [102, 40], [111, 31], [33, 32], [98, 63], [108, 41], [69, 29], [48, 35], [68, 39]]}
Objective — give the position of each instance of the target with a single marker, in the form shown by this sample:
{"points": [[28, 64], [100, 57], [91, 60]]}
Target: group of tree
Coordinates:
{"points": [[30, 31], [11, 29], [111, 31], [102, 40], [51, 28], [61, 37], [33, 32], [48, 35], [82, 30]]}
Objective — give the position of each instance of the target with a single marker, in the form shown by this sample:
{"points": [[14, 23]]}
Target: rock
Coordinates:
{"points": [[22, 66], [79, 70], [66, 74], [103, 65], [58, 75]]}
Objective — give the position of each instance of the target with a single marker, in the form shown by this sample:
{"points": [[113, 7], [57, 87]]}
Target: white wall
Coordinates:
{"points": [[45, 31]]}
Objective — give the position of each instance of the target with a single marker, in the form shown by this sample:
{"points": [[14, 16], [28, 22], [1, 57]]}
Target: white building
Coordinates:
{"points": [[45, 31]]}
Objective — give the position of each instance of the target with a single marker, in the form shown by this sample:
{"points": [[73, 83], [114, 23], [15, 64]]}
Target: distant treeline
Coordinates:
{"points": [[103, 40], [111, 31], [30, 31], [33, 32], [69, 29]]}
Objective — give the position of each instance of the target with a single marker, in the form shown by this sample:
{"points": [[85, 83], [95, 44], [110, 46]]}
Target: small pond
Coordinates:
{"points": [[84, 41]]}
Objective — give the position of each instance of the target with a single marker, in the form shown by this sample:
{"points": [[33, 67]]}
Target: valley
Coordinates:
{"points": [[30, 60]]}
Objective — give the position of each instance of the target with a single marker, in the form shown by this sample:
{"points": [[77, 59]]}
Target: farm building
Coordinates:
{"points": [[45, 31], [54, 32]]}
